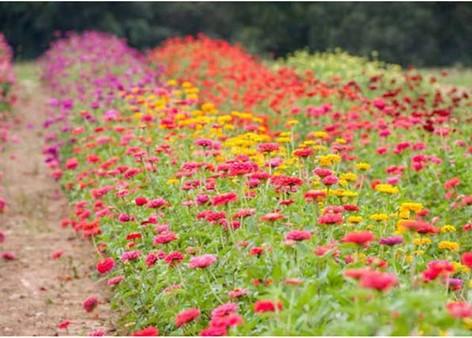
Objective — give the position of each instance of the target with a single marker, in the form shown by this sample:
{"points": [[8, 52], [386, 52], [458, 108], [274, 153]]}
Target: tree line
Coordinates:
{"points": [[420, 34]]}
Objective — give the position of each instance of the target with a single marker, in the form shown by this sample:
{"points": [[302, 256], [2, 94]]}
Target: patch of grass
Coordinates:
{"points": [[461, 77], [26, 70]]}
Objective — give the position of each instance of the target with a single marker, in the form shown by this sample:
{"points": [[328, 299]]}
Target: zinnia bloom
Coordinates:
{"points": [[380, 281], [298, 235], [267, 306], [149, 331], [459, 309], [467, 259], [90, 303], [186, 316], [105, 265], [360, 237], [202, 262]]}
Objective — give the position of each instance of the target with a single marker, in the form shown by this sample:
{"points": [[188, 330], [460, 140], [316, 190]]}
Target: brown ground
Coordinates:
{"points": [[37, 292]]}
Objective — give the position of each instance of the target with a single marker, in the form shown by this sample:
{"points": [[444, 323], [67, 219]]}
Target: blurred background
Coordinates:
{"points": [[419, 34]]}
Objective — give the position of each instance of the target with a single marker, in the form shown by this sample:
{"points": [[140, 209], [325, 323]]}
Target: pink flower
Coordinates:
{"points": [[90, 303], [149, 331], [224, 310], [130, 256], [214, 331], [165, 237], [298, 235], [115, 280], [186, 316], [97, 333], [202, 261], [459, 309], [237, 293]]}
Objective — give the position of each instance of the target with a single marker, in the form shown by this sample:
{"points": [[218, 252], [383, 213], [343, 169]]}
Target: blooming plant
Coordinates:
{"points": [[349, 216], [7, 77]]}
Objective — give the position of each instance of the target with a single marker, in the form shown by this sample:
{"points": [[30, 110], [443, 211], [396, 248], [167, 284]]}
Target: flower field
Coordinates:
{"points": [[321, 194]]}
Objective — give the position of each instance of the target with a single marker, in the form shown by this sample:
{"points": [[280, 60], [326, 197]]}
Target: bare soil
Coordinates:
{"points": [[36, 291]]}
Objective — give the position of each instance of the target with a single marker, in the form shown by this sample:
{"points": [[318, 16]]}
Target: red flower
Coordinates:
{"points": [[105, 265], [436, 269], [140, 201], [380, 281], [272, 217], [186, 316], [356, 273], [64, 324], [8, 256], [360, 237], [267, 306], [90, 303], [174, 258], [452, 183], [224, 199], [256, 251], [467, 259], [149, 331]]}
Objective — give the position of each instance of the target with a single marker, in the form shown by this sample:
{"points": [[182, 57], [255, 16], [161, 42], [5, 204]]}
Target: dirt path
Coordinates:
{"points": [[36, 291]]}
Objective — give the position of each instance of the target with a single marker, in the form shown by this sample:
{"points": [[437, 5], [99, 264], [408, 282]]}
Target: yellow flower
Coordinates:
{"points": [[379, 217], [448, 245], [350, 177], [468, 323], [387, 188], [329, 160], [354, 219], [172, 181], [448, 228], [363, 166], [458, 267], [208, 107], [410, 206], [292, 122], [186, 85], [420, 241], [320, 134]]}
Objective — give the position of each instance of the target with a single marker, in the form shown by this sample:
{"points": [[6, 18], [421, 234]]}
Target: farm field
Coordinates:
{"points": [[197, 189]]}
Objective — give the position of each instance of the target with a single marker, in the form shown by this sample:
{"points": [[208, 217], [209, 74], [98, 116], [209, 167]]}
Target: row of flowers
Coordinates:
{"points": [[7, 77], [225, 196]]}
